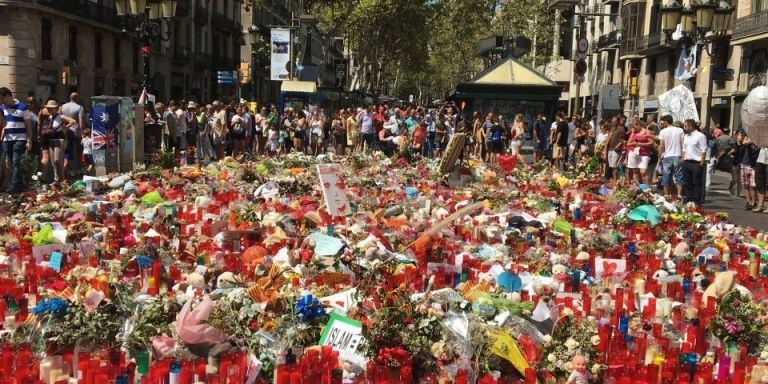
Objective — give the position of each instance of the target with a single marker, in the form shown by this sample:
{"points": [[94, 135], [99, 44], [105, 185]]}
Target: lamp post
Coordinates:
{"points": [[705, 22], [146, 17]]}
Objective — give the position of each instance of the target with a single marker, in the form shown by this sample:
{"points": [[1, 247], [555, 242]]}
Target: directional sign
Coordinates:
{"points": [[722, 74], [226, 77], [580, 67]]}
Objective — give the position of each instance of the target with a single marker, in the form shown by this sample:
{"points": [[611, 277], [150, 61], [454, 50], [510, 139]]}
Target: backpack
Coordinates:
{"points": [[46, 126], [496, 136]]}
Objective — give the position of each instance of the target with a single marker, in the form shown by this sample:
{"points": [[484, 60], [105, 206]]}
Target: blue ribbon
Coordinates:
{"points": [[144, 261], [54, 306], [309, 307]]}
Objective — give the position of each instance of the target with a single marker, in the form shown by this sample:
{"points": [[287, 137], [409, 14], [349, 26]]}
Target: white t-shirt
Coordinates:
{"points": [[762, 157], [258, 119], [672, 137], [601, 137], [87, 144], [181, 122]]}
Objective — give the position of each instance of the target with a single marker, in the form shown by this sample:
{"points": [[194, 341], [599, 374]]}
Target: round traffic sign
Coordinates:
{"points": [[580, 68], [583, 45]]}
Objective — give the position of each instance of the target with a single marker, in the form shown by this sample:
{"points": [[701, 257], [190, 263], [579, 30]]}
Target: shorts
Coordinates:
{"points": [[497, 146], [761, 175], [72, 141], [635, 161], [540, 146], [237, 135], [45, 139], [613, 159], [558, 151], [671, 171], [747, 175]]}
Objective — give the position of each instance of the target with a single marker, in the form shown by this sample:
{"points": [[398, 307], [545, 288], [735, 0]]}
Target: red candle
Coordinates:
{"points": [[619, 299]]}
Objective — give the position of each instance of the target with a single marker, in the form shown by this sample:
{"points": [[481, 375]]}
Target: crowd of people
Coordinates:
{"points": [[675, 157]]}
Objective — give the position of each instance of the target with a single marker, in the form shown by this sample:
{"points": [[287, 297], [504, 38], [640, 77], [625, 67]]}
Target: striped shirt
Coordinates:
{"points": [[14, 116]]}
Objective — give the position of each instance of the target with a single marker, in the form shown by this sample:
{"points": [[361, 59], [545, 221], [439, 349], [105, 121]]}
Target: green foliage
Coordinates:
{"points": [[425, 47]]}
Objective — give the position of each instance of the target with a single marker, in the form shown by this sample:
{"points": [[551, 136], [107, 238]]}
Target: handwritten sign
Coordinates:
{"points": [[345, 335], [506, 347], [334, 189], [609, 267]]}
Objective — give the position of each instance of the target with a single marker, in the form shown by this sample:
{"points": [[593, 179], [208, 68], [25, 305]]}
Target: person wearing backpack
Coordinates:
{"points": [[53, 126]]}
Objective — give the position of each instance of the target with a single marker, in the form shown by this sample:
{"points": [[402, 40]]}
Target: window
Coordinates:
{"points": [[118, 87], [98, 86], [650, 71], [655, 17], [46, 43], [759, 5], [73, 44], [98, 52], [135, 59], [116, 54]]}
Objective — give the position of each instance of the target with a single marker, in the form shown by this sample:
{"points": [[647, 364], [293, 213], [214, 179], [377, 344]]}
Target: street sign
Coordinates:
{"points": [[722, 74], [226, 77], [583, 45]]}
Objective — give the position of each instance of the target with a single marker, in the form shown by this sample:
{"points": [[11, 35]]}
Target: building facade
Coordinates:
{"points": [[49, 48], [633, 53]]}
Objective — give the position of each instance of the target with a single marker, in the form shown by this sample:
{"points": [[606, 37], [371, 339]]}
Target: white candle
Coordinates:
{"points": [[10, 322], [640, 286], [53, 375]]}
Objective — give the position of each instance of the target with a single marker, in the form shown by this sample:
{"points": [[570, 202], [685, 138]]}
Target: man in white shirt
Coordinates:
{"points": [[258, 130], [182, 120], [671, 151], [694, 162]]}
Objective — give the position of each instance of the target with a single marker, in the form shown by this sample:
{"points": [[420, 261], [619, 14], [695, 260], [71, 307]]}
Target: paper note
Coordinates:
{"points": [[345, 335], [334, 189], [55, 261], [609, 267], [326, 245]]}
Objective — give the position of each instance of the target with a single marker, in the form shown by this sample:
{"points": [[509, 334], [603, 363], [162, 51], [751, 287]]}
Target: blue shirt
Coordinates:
{"points": [[14, 116]]}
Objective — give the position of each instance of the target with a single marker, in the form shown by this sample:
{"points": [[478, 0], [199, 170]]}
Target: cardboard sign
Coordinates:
{"points": [[345, 335], [334, 189], [609, 267]]}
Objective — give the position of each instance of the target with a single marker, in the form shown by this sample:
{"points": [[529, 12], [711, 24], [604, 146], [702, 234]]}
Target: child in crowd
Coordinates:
{"points": [[273, 138], [87, 144], [282, 140]]}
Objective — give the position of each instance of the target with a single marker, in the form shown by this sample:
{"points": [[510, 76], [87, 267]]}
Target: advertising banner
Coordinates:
{"points": [[281, 54]]}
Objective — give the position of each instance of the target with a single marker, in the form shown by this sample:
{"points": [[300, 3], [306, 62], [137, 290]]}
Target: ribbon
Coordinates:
{"points": [[309, 307]]}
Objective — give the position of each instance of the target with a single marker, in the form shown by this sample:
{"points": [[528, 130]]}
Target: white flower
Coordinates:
{"points": [[764, 355], [571, 344], [551, 358], [547, 339], [568, 366], [568, 312], [595, 340], [39, 174], [35, 178]]}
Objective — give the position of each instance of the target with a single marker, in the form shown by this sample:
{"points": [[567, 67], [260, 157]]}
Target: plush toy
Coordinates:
{"points": [[228, 280], [682, 249], [580, 374], [723, 283]]}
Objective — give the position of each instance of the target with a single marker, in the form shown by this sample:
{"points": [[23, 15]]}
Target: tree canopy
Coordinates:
{"points": [[425, 47]]}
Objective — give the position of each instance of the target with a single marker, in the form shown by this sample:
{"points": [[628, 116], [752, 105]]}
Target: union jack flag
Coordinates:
{"points": [[105, 119]]}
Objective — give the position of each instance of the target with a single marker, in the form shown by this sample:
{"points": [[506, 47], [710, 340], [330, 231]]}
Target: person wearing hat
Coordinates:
{"points": [[53, 126], [671, 152]]}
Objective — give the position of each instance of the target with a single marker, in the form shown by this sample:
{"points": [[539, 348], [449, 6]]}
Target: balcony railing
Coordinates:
{"points": [[180, 55], [750, 25], [608, 41], [201, 15], [82, 8], [183, 8], [562, 4], [628, 47]]}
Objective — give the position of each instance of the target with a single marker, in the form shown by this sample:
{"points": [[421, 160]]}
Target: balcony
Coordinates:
{"points": [[183, 8], [86, 9], [202, 60], [180, 55], [609, 41], [223, 23], [562, 4], [201, 15], [654, 43], [629, 48], [750, 25]]}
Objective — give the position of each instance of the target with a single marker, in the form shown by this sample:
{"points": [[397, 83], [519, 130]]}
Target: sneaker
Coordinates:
{"points": [[758, 209], [747, 206]]}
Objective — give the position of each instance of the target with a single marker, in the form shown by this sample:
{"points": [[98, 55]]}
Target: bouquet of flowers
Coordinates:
{"points": [[739, 320], [571, 336]]}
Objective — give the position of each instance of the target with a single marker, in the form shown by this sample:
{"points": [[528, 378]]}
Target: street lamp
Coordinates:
{"points": [[147, 16]]}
